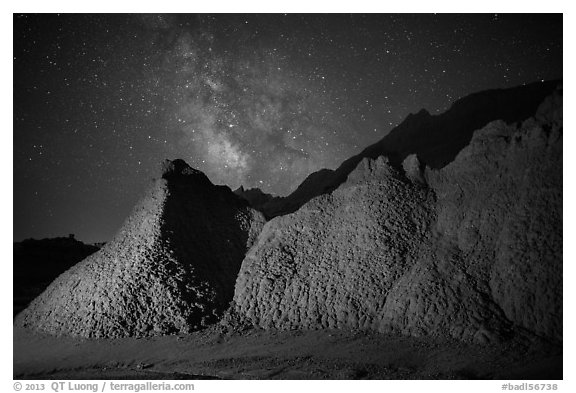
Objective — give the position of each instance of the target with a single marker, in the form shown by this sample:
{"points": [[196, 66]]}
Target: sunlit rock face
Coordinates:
{"points": [[171, 268]]}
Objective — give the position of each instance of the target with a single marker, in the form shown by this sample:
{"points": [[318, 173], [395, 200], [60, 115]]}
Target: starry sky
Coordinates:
{"points": [[254, 100]]}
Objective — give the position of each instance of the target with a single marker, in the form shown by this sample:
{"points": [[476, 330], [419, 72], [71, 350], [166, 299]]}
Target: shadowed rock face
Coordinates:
{"points": [[171, 268], [500, 206], [470, 251], [255, 197]]}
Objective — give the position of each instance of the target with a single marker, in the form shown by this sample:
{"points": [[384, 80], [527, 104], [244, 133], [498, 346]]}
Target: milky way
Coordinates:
{"points": [[254, 100], [237, 109]]}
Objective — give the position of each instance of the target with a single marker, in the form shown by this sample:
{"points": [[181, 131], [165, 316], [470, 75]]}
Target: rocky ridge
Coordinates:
{"points": [[435, 139], [472, 251], [255, 197]]}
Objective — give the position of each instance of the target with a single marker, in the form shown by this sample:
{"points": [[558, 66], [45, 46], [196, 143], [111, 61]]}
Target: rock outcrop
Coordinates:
{"points": [[255, 197], [435, 139], [171, 268], [471, 251], [332, 262], [500, 207]]}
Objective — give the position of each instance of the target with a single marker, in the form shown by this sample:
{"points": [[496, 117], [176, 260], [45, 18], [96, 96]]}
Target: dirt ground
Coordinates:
{"points": [[259, 354]]}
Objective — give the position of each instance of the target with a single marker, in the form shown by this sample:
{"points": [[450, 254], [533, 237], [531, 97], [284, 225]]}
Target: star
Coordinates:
{"points": [[253, 100]]}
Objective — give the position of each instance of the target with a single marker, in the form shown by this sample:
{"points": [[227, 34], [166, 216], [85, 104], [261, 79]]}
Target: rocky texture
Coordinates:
{"points": [[500, 206], [331, 263], [471, 251], [435, 139], [171, 268]]}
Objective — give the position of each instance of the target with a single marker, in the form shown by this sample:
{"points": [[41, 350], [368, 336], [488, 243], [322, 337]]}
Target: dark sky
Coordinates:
{"points": [[258, 100]]}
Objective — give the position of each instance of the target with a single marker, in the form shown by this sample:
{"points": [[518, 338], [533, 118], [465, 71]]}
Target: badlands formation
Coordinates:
{"points": [[451, 226]]}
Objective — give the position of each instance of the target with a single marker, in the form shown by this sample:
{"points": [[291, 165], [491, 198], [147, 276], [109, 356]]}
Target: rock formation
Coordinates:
{"points": [[255, 197], [435, 139], [171, 268], [332, 262], [500, 208], [418, 236], [471, 251]]}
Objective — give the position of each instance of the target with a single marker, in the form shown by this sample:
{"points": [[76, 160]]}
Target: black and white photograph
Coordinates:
{"points": [[286, 196]]}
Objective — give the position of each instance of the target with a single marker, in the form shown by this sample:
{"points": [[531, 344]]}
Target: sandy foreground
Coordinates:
{"points": [[259, 354]]}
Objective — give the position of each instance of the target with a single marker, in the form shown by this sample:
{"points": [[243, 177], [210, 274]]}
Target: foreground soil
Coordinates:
{"points": [[259, 354]]}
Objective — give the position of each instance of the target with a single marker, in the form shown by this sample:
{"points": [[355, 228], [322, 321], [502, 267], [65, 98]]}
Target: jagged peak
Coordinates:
{"points": [[370, 169], [178, 169]]}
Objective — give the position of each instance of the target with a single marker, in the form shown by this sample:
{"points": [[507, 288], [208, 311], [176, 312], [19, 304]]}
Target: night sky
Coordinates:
{"points": [[257, 100]]}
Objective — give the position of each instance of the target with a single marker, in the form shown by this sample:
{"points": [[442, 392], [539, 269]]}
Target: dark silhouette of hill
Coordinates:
{"points": [[435, 139], [38, 262], [255, 196]]}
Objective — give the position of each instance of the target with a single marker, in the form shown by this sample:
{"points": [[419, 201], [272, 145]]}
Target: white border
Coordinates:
{"points": [[292, 6]]}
